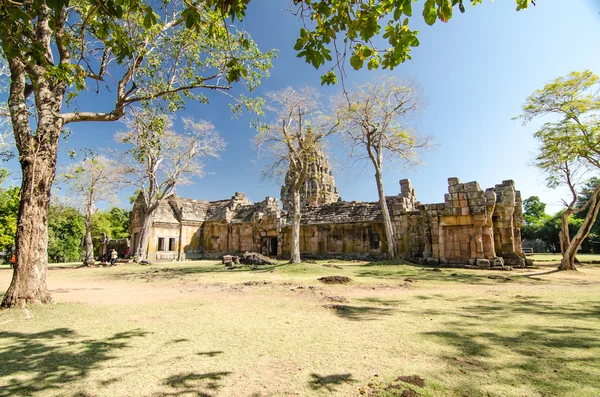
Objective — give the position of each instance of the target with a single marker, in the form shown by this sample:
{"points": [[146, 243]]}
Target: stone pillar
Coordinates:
{"points": [[508, 243]]}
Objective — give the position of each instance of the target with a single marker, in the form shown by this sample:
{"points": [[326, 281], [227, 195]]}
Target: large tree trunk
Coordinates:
{"points": [[572, 245], [567, 246], [29, 278], [89, 244], [144, 239], [296, 216], [37, 156], [387, 221]]}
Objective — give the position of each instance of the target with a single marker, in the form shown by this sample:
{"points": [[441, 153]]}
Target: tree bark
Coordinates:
{"points": [[572, 245], [385, 213], [37, 157], [144, 239], [29, 278], [296, 217], [89, 244]]}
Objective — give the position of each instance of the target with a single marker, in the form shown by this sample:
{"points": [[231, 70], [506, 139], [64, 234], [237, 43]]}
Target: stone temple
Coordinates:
{"points": [[470, 227]]}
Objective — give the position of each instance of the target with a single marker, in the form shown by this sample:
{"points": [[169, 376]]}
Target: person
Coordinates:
{"points": [[113, 257], [553, 248]]}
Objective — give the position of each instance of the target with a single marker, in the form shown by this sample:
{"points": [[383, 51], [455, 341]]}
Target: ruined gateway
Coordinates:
{"points": [[471, 226]]}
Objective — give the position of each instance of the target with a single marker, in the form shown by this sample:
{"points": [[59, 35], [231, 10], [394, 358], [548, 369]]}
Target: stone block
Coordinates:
{"points": [[471, 187], [483, 263], [433, 262], [528, 262], [497, 262], [476, 195], [478, 211], [464, 211], [453, 181]]}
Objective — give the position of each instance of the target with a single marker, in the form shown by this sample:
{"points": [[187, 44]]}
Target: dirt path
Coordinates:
{"points": [[99, 291]]}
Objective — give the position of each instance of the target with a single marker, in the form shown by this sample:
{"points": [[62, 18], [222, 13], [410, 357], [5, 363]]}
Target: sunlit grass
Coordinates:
{"points": [[278, 331]]}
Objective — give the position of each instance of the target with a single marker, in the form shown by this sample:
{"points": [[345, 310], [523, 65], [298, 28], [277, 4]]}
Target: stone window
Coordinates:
{"points": [[374, 241], [172, 244], [161, 244]]}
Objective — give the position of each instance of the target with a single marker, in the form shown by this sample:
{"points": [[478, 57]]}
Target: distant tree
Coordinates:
{"points": [[569, 148], [66, 228], [113, 223], [96, 178], [159, 159], [534, 209], [374, 121], [292, 142], [9, 210], [119, 219]]}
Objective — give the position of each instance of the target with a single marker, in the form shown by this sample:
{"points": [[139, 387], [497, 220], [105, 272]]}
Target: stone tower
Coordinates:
{"points": [[319, 185]]}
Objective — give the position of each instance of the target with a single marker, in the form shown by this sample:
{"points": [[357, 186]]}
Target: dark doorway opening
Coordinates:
{"points": [[273, 246]]}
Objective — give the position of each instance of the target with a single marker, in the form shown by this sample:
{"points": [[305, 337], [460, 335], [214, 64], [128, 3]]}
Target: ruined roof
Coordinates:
{"points": [[215, 210], [344, 212], [244, 213], [192, 210], [164, 213]]}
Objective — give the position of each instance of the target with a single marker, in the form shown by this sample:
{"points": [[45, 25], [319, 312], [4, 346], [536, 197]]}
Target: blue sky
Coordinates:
{"points": [[475, 72]]}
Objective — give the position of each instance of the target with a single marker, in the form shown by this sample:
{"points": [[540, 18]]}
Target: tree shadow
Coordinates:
{"points": [[329, 382], [169, 273], [381, 301], [44, 361], [200, 385], [554, 349], [359, 313], [211, 353], [402, 270]]}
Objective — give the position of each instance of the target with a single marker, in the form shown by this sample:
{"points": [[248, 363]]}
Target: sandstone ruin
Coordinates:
{"points": [[471, 227]]}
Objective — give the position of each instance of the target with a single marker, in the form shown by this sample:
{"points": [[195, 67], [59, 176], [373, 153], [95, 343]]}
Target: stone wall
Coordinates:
{"points": [[471, 226]]}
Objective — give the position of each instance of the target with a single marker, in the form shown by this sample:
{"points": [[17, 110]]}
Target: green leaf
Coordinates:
{"points": [[429, 12]]}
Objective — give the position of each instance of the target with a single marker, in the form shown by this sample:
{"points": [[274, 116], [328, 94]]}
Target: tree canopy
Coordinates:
{"points": [[533, 209], [569, 151]]}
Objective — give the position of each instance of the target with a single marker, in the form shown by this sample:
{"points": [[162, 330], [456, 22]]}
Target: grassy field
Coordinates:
{"points": [[197, 329]]}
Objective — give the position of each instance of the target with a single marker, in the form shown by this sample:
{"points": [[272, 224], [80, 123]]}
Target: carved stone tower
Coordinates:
{"points": [[319, 185]]}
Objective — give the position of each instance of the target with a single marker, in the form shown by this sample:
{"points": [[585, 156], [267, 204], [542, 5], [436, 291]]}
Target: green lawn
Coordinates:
{"points": [[197, 329]]}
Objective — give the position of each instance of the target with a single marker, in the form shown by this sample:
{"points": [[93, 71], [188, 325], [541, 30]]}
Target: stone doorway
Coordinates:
{"points": [[273, 250]]}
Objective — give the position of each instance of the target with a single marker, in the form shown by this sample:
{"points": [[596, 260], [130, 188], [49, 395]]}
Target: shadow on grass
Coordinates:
{"points": [[168, 273], [359, 313], [382, 302], [196, 384], [553, 349], [329, 382], [497, 310], [402, 270], [44, 361], [211, 353]]}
